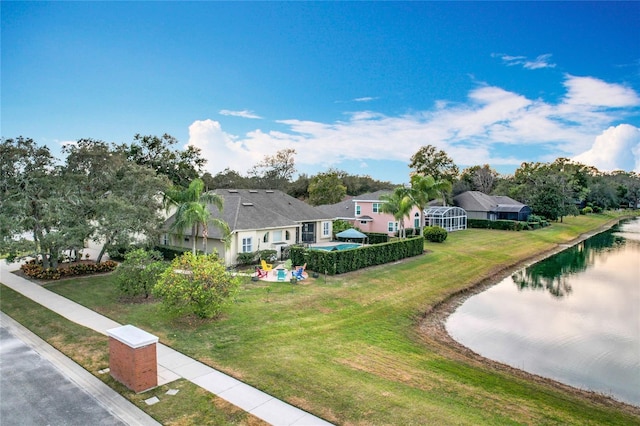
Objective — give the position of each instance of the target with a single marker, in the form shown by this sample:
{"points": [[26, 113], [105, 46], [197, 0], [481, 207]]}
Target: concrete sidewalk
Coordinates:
{"points": [[172, 365]]}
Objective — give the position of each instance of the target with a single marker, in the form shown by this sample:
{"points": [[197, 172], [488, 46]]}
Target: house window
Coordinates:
{"points": [[357, 210], [277, 236], [325, 229], [416, 221], [377, 207], [287, 235], [247, 245], [165, 239], [392, 226], [265, 239]]}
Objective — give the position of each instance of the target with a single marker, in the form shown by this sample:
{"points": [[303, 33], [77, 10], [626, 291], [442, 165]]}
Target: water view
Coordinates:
{"points": [[574, 317]]}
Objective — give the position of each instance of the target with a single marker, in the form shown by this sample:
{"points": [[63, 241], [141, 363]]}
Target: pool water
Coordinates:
{"points": [[341, 246]]}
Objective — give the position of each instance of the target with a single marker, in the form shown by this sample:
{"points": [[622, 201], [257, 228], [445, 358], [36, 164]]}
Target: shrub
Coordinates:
{"points": [[246, 258], [139, 272], [268, 255], [376, 237], [196, 284], [170, 253], [435, 234], [586, 210], [35, 270], [341, 261]]}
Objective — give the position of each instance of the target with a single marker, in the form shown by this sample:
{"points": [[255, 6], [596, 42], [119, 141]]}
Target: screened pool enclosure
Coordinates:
{"points": [[447, 217]]}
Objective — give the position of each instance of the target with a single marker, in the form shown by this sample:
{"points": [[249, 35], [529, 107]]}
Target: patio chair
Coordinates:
{"points": [[266, 266], [261, 273], [282, 274], [298, 273]]}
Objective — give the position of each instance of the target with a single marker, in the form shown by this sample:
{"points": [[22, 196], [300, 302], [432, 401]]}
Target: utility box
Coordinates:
{"points": [[132, 357]]}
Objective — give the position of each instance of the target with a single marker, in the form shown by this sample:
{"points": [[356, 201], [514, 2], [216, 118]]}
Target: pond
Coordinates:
{"points": [[573, 317]]}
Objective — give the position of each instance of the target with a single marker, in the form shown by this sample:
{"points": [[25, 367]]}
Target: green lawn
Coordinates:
{"points": [[348, 348]]}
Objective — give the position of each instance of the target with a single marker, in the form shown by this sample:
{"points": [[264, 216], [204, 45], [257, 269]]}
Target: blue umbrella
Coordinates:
{"points": [[351, 234]]}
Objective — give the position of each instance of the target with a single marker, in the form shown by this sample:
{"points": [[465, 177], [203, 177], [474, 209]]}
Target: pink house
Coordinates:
{"points": [[363, 212]]}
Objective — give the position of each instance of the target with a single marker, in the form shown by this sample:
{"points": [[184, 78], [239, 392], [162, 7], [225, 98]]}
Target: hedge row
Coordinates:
{"points": [[341, 261], [35, 270], [505, 225]]}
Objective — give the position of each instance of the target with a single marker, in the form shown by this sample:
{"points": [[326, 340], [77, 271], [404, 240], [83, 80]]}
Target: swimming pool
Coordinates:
{"points": [[340, 246]]}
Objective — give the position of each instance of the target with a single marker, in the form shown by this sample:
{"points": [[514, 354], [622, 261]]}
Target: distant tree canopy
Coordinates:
{"points": [[97, 193], [429, 161]]}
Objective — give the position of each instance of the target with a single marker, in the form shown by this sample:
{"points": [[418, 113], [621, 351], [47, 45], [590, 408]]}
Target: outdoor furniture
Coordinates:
{"points": [[261, 273], [298, 272], [266, 266], [282, 274]]}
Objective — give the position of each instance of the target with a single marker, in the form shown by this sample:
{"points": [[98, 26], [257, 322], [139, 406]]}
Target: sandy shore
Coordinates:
{"points": [[431, 328]]}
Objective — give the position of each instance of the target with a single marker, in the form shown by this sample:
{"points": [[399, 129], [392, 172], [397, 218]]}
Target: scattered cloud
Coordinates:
{"points": [[584, 124], [541, 61], [244, 113], [365, 99], [617, 148]]}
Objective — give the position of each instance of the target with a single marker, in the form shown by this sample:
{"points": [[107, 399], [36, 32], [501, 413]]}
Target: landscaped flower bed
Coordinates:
{"points": [[35, 270]]}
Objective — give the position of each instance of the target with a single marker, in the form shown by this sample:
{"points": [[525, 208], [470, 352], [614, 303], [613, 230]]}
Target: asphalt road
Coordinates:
{"points": [[34, 392]]}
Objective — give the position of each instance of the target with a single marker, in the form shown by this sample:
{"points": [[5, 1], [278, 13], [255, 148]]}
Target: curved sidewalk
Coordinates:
{"points": [[172, 364]]}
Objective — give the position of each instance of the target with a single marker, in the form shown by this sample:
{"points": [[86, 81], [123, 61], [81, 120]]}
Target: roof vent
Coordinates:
{"points": [[269, 191], [247, 204], [233, 191], [253, 191]]}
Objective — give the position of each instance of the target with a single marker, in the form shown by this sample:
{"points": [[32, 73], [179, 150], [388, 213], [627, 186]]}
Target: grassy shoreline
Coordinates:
{"points": [[352, 348]]}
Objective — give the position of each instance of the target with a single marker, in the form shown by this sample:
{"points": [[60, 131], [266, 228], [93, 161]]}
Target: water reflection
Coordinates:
{"points": [[574, 317], [552, 274]]}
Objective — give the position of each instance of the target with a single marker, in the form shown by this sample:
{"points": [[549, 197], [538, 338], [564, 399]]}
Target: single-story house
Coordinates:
{"points": [[479, 205], [259, 220], [364, 212]]}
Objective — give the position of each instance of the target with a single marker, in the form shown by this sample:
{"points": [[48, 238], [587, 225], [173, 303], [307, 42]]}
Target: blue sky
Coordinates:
{"points": [[352, 85]]}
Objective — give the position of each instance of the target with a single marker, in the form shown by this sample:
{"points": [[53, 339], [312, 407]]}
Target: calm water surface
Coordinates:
{"points": [[574, 317]]}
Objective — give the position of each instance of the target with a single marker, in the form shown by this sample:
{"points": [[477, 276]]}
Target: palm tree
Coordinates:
{"points": [[399, 204], [192, 210], [424, 189]]}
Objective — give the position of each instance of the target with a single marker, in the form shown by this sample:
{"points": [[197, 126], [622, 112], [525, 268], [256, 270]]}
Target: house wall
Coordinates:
{"points": [[477, 215], [380, 222]]}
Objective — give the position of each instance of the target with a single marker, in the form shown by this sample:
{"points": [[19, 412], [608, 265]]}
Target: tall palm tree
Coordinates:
{"points": [[424, 189], [399, 204], [192, 210]]}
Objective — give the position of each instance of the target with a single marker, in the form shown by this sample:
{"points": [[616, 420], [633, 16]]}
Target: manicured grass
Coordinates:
{"points": [[347, 348], [190, 406]]}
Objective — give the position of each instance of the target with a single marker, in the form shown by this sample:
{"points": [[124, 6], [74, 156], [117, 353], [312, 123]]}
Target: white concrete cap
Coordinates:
{"points": [[132, 336]]}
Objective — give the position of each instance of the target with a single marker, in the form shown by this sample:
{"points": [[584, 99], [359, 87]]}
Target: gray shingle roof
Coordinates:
{"points": [[481, 202], [246, 209]]}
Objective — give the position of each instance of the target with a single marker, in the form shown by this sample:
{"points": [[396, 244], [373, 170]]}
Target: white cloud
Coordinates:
{"points": [[470, 131], [541, 61], [219, 148], [244, 113], [616, 148], [589, 91], [365, 99]]}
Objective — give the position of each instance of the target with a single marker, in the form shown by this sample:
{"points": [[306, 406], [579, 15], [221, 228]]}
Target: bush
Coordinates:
{"points": [[139, 272], [170, 253], [268, 255], [196, 284], [35, 270], [376, 237], [435, 234], [341, 261], [586, 210], [246, 258]]}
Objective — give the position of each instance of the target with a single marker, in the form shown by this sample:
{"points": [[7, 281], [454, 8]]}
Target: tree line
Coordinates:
{"points": [[115, 194]]}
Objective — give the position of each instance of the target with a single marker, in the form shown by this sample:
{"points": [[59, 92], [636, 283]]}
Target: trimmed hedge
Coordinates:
{"points": [[341, 261], [503, 225], [435, 234], [377, 237], [35, 270], [169, 252]]}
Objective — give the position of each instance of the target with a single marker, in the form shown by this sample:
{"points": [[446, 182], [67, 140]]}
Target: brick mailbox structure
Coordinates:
{"points": [[132, 357]]}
